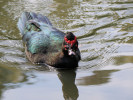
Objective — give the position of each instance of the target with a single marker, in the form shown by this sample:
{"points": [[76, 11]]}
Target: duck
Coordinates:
{"points": [[45, 44]]}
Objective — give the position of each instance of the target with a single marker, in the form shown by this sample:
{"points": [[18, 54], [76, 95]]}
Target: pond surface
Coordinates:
{"points": [[105, 32]]}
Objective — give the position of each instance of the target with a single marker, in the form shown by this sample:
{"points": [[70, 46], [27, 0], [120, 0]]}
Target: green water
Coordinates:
{"points": [[105, 33]]}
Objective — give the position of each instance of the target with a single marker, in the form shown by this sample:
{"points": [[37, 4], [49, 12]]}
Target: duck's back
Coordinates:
{"points": [[38, 33]]}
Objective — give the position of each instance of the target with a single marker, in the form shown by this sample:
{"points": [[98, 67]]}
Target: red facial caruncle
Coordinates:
{"points": [[72, 42]]}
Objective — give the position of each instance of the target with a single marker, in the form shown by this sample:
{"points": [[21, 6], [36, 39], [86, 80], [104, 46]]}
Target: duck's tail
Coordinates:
{"points": [[31, 16]]}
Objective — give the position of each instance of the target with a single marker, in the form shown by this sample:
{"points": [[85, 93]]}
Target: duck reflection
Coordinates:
{"points": [[67, 78]]}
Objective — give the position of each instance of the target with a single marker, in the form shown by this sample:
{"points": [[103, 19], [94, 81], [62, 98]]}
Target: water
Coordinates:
{"points": [[105, 32]]}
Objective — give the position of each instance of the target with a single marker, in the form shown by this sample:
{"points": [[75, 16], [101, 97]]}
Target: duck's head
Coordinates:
{"points": [[70, 45]]}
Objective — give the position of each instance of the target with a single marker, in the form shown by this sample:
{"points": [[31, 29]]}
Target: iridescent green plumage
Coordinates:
{"points": [[39, 35]]}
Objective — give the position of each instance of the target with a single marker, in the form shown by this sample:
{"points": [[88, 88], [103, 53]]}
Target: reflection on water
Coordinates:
{"points": [[105, 32], [98, 77], [120, 60], [9, 75], [67, 78]]}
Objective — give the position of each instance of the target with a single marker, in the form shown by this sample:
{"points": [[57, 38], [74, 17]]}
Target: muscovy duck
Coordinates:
{"points": [[44, 44]]}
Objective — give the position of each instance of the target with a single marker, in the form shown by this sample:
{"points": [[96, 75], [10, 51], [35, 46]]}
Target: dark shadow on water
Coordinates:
{"points": [[120, 60], [10, 75], [99, 77], [67, 78]]}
